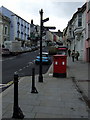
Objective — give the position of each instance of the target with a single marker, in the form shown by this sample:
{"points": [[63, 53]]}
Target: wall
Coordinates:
{"points": [[9, 14], [49, 36], [87, 38], [4, 28]]}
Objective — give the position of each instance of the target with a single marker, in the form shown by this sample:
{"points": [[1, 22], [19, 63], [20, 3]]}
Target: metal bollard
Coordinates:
{"points": [[17, 112], [34, 90]]}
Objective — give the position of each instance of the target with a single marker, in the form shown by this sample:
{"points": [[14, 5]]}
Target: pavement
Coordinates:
{"points": [[56, 97]]}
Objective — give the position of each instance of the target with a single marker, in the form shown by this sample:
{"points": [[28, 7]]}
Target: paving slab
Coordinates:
{"points": [[56, 98]]}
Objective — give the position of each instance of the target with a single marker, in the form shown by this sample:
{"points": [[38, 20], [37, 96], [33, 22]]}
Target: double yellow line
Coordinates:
{"points": [[6, 85]]}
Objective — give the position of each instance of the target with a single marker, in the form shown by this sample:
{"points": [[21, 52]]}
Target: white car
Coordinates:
{"points": [[5, 51]]}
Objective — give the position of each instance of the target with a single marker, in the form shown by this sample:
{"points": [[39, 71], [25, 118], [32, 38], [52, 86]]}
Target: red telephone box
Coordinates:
{"points": [[59, 65]]}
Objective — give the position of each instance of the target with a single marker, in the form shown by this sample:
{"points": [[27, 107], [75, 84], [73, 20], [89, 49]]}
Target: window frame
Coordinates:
{"points": [[6, 30], [79, 19]]}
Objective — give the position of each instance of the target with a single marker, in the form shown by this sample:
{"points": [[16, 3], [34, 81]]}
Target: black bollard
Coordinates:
{"points": [[34, 90], [17, 112]]}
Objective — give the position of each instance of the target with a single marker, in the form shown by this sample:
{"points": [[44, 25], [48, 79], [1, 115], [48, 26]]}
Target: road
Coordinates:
{"points": [[22, 64]]}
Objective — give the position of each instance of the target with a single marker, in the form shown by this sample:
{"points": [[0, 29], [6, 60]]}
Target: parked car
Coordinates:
{"points": [[13, 46], [33, 47], [28, 49], [45, 58], [5, 51], [36, 47]]}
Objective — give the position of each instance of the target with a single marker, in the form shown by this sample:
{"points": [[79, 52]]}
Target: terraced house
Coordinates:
{"points": [[19, 28], [75, 32], [87, 42], [4, 29]]}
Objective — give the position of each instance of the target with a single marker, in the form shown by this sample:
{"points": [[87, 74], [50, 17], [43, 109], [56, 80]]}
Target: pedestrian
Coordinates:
{"points": [[77, 55], [69, 52], [73, 55]]}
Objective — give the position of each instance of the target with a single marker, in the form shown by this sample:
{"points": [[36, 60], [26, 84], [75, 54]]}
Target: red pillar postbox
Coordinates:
{"points": [[59, 65]]}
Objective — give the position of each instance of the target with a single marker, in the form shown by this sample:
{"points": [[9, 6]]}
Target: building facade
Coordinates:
{"points": [[19, 28], [87, 42], [4, 29], [57, 36], [34, 33], [74, 34]]}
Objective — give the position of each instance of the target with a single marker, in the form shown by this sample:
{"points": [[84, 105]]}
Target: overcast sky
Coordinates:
{"points": [[58, 11]]}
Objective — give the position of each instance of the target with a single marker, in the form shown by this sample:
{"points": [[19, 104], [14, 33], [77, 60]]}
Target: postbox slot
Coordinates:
{"points": [[56, 58]]}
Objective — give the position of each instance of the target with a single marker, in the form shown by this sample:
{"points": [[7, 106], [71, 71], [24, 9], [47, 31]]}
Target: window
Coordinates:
{"points": [[5, 39], [89, 26], [88, 30], [22, 25], [70, 30], [79, 19], [18, 31], [6, 30], [18, 23], [88, 5], [22, 33]]}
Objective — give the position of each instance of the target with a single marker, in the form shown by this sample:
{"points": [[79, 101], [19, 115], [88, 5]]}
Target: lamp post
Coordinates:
{"points": [[41, 30]]}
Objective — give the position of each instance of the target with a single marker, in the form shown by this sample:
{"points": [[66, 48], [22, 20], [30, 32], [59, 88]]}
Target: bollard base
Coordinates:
{"points": [[18, 114], [40, 78], [61, 75], [34, 90]]}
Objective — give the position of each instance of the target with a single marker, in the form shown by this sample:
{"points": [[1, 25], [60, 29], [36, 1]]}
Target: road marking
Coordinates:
{"points": [[6, 85], [20, 70], [29, 63], [11, 58], [24, 67], [15, 72], [27, 66]]}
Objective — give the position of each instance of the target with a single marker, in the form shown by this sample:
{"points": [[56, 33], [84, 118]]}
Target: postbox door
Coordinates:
{"points": [[60, 65], [56, 63]]}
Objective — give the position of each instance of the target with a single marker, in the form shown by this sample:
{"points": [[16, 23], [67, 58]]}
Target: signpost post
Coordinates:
{"points": [[41, 34]]}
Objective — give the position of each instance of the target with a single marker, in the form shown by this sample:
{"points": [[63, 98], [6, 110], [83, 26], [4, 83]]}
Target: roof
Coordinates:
{"points": [[80, 10], [13, 14], [59, 33], [4, 17]]}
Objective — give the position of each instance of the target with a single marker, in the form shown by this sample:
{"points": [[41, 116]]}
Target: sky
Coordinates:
{"points": [[58, 11]]}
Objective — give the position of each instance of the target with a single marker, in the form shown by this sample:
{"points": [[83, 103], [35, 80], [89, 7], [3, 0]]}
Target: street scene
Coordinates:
{"points": [[44, 63], [22, 64]]}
